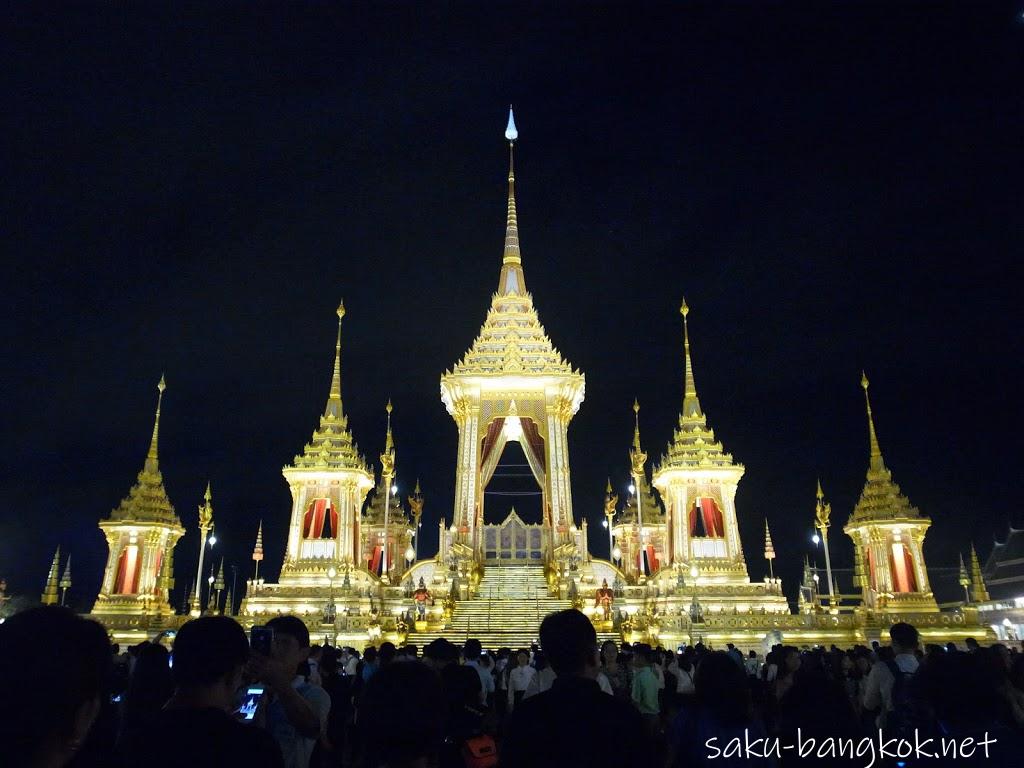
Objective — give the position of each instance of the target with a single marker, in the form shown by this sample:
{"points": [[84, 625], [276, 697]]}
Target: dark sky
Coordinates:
{"points": [[831, 186]]}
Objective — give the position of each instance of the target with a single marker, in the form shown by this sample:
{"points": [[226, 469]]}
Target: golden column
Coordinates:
{"points": [[610, 500], [637, 459], [416, 505], [205, 523], [387, 473], [822, 513]]}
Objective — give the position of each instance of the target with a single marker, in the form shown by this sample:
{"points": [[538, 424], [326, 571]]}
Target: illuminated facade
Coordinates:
{"points": [[678, 572]]}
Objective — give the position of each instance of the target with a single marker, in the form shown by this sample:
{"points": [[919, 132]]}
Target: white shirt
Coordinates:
{"points": [[352, 665], [540, 682], [519, 680], [603, 684]]}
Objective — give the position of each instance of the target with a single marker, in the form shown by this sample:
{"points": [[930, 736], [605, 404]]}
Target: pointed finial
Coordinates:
{"points": [[821, 494], [512, 279], [65, 579], [151, 456], [207, 494], [334, 398], [691, 403], [388, 440], [608, 487], [636, 424], [416, 490], [979, 593], [636, 455], [510, 130], [876, 451]]}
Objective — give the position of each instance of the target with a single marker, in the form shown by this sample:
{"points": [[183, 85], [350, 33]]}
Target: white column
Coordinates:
{"points": [[298, 490]]}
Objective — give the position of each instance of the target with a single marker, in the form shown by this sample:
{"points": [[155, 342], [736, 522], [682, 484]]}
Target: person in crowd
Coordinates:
{"points": [[196, 728], [401, 718], [339, 687], [369, 664], [682, 669], [519, 679], [734, 653], [616, 673], [721, 710], [501, 670], [472, 653], [296, 712], [439, 654], [150, 685], [752, 664], [543, 679], [790, 661], [47, 709], [889, 674], [351, 658], [386, 655], [461, 686], [645, 689], [535, 733]]}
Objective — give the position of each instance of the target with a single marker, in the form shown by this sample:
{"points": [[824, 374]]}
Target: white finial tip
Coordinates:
{"points": [[510, 130]]}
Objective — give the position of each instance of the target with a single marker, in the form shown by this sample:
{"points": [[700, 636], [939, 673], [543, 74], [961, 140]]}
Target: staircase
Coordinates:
{"points": [[510, 604]]}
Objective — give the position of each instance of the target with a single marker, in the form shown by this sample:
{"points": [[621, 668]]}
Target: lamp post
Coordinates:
{"points": [[205, 524], [822, 513]]}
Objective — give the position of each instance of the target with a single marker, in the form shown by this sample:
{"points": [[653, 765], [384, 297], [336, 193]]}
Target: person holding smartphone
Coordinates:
{"points": [[295, 711], [196, 728]]}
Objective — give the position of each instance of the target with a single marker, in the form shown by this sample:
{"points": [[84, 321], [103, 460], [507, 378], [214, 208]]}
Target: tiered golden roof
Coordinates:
{"points": [[332, 446], [881, 499], [147, 500], [693, 443]]}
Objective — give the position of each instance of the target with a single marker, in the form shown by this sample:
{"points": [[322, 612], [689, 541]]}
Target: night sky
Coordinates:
{"points": [[191, 192]]}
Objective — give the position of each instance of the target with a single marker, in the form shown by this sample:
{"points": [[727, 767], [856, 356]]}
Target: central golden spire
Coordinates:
{"points": [[512, 279], [334, 399], [151, 455], [691, 404], [876, 451]]}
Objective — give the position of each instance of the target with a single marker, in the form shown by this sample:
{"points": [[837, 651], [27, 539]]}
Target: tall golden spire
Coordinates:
{"points": [[512, 279], [334, 399], [876, 451], [389, 443], [979, 593], [691, 404], [50, 591], [151, 456]]}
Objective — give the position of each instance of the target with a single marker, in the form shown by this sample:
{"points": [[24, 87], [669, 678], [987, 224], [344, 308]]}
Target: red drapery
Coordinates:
{"points": [[651, 565], [316, 515], [710, 516], [156, 571], [534, 440], [901, 563], [871, 568], [376, 563], [491, 438], [129, 565]]}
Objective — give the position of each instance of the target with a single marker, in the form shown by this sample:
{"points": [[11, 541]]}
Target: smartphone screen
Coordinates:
{"points": [[251, 702]]}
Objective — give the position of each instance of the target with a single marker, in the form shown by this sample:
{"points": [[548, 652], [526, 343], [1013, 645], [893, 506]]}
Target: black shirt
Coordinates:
{"points": [[201, 738], [575, 723]]}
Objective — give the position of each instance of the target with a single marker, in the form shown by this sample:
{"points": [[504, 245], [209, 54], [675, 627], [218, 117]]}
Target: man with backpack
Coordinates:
{"points": [[888, 687]]}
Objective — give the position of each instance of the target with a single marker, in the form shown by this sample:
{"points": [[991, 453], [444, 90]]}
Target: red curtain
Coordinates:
{"points": [[911, 573], [313, 521], [901, 564], [129, 565], [533, 438], [710, 516], [376, 560], [870, 557], [156, 571], [652, 560], [493, 430]]}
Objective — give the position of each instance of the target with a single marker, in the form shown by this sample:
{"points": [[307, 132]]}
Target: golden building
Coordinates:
{"points": [[678, 572], [141, 533]]}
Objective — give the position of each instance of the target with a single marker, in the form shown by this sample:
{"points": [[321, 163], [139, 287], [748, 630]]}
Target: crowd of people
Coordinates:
{"points": [[219, 698]]}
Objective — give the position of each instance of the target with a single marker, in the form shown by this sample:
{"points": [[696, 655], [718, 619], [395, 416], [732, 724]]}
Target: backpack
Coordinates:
{"points": [[900, 720], [480, 752]]}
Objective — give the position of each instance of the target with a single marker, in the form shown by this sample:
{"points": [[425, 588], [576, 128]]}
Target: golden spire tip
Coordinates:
{"points": [[821, 494], [636, 406], [207, 495], [684, 310], [608, 488], [341, 309], [389, 407], [864, 381], [162, 385]]}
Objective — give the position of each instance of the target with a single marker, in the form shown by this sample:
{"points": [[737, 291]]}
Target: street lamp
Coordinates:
{"points": [[816, 539]]}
